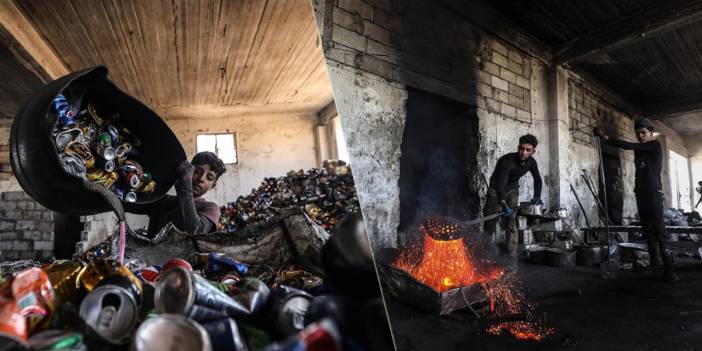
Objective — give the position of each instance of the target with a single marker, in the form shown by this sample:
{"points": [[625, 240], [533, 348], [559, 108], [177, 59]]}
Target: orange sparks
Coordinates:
{"points": [[522, 330], [444, 265]]}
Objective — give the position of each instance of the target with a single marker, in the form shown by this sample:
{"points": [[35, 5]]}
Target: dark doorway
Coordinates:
{"points": [[439, 148], [67, 229], [614, 182]]}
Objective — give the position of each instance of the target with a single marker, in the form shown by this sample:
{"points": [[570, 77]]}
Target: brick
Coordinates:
{"points": [[348, 38], [10, 236], [516, 68], [508, 111], [382, 51], [500, 59], [480, 102], [341, 53], [492, 68], [47, 216], [378, 33], [515, 101], [501, 96], [13, 195], [499, 83], [374, 65], [357, 6], [387, 20], [482, 77], [523, 82], [8, 205], [516, 90], [527, 101], [9, 255], [523, 115], [25, 205], [23, 224], [527, 69], [7, 225], [493, 105], [347, 20], [47, 236], [508, 75], [515, 56], [483, 89], [497, 46], [21, 245], [44, 226], [43, 245]]}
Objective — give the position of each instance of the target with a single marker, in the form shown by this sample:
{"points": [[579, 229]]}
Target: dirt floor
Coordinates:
{"points": [[634, 312]]}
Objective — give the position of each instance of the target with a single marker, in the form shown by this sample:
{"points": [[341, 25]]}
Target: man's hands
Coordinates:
{"points": [[506, 210], [600, 133], [184, 170], [536, 201]]}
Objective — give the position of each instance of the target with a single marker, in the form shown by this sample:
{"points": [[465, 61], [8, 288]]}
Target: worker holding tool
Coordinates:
{"points": [[649, 194], [503, 191]]}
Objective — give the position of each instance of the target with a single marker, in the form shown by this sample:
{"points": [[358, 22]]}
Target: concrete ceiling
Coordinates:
{"points": [[687, 124], [175, 56]]}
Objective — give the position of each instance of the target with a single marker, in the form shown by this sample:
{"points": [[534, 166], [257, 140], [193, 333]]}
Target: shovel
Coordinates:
{"points": [[609, 268], [460, 229]]}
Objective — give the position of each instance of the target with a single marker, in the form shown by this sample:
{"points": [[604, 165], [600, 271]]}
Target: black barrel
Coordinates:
{"points": [[34, 158]]}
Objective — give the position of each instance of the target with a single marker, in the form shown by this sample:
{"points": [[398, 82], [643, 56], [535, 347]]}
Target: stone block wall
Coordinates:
{"points": [[26, 228], [587, 110], [503, 81]]}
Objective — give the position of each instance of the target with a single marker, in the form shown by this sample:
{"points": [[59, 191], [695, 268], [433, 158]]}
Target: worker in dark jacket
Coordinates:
{"points": [[503, 191], [188, 210], [649, 195]]}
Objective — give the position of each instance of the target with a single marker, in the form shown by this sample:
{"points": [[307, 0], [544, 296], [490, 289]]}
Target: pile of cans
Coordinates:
{"points": [[326, 194], [99, 149], [94, 303]]}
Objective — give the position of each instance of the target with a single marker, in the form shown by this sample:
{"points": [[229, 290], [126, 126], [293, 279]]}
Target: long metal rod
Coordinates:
{"points": [[604, 192], [587, 221], [598, 205]]}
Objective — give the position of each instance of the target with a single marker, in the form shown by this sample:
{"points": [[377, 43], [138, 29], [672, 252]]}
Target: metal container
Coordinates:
{"points": [[590, 255], [33, 150], [171, 332], [404, 287], [225, 335], [560, 257], [111, 312]]}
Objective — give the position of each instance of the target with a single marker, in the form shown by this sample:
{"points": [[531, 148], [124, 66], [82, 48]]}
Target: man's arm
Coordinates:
{"points": [[647, 146], [537, 179], [192, 221]]}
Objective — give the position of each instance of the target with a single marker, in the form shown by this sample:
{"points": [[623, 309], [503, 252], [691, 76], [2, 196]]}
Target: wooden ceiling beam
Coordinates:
{"points": [[27, 45], [659, 18], [673, 107]]}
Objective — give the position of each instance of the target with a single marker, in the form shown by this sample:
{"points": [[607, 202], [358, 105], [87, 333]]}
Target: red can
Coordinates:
{"points": [[176, 262]]}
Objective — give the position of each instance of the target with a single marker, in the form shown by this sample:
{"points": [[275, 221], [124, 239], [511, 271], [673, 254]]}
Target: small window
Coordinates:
{"points": [[224, 145]]}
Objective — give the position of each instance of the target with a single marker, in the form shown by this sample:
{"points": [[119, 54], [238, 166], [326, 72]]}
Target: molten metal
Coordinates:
{"points": [[446, 264]]}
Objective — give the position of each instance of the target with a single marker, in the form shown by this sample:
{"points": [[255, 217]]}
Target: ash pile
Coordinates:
{"points": [[326, 195], [213, 302]]}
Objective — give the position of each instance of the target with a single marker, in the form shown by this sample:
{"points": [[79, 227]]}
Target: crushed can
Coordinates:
{"points": [[177, 262], [13, 326], [64, 277], [323, 335], [225, 335], [56, 339], [64, 110], [288, 307], [171, 332], [219, 264], [183, 292], [111, 310], [34, 296]]}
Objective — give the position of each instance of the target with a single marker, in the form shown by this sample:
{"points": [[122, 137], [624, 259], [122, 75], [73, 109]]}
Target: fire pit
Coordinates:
{"points": [[447, 271]]}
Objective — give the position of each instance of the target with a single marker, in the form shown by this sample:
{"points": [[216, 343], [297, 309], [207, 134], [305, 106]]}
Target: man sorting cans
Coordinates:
{"points": [[188, 210], [503, 191], [649, 194]]}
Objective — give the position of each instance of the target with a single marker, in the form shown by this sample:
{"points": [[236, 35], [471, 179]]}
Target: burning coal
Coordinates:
{"points": [[444, 261]]}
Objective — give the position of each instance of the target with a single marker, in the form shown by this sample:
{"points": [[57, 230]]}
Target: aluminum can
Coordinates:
{"points": [[64, 110], [113, 132], [111, 310], [171, 332], [288, 308], [123, 149], [72, 164], [220, 264], [64, 277], [65, 137], [324, 335], [99, 270], [148, 188], [83, 151], [94, 115], [176, 262], [57, 339], [181, 291], [225, 335]]}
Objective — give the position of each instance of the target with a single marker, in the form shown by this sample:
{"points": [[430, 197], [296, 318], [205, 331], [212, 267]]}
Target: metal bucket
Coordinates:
{"points": [[35, 162]]}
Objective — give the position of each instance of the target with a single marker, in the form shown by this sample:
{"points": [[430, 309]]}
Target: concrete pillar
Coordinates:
{"points": [[559, 135]]}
